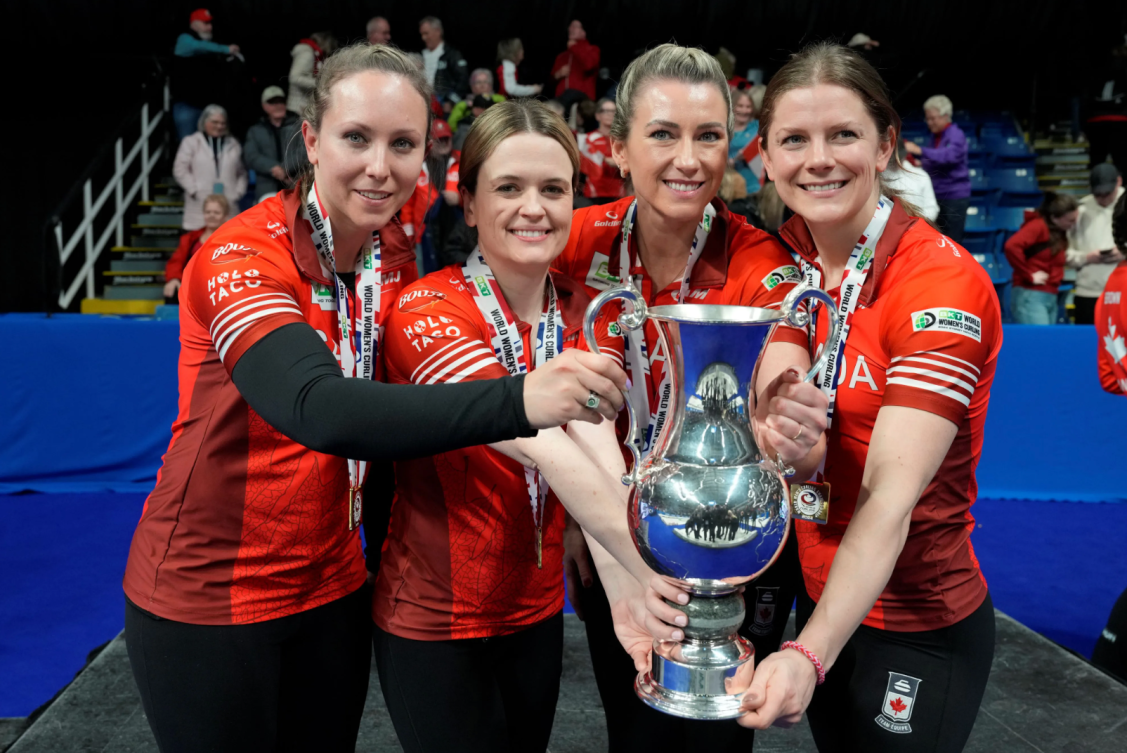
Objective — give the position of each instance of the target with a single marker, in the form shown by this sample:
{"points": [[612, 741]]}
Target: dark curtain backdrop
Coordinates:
{"points": [[79, 66]]}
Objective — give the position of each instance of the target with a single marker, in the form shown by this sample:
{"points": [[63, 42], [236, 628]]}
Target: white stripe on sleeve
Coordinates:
{"points": [[905, 382]]}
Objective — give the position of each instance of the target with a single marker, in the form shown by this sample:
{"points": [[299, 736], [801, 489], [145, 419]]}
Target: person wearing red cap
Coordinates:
{"points": [[190, 90]]}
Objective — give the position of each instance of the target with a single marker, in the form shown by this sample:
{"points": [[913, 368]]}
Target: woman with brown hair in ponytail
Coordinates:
{"points": [[895, 623], [247, 621], [1036, 252]]}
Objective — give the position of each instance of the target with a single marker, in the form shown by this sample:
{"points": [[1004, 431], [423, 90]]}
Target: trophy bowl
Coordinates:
{"points": [[706, 508]]}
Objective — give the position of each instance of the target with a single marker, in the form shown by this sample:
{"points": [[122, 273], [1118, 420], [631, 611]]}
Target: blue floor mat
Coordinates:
{"points": [[62, 557], [1054, 566]]}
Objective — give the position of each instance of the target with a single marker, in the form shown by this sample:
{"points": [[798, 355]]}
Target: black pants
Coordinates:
{"points": [[903, 692], [634, 726], [297, 683], [487, 695], [1085, 311], [952, 218], [1110, 653], [1107, 138]]}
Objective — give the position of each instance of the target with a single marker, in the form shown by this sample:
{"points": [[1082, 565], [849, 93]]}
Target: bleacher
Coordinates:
{"points": [[1008, 177]]}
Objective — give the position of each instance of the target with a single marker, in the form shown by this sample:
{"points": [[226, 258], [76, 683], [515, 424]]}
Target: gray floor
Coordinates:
{"points": [[1040, 698]]}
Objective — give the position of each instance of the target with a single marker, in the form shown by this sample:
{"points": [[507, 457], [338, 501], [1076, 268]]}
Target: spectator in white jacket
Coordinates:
{"points": [[1091, 245], [912, 183], [308, 55], [510, 53], [209, 161]]}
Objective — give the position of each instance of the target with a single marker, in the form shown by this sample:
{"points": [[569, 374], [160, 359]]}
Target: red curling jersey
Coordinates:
{"points": [[244, 524], [459, 560], [1111, 321], [926, 335], [739, 266]]}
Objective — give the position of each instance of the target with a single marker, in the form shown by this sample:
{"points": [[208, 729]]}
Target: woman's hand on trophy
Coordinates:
{"points": [[662, 619], [628, 615], [793, 413], [780, 691], [562, 389]]}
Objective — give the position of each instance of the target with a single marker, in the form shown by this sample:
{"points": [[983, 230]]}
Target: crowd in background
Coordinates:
{"points": [[1063, 233]]}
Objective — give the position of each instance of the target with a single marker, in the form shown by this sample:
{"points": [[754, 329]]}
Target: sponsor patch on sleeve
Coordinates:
{"points": [[778, 276], [419, 299], [948, 320]]}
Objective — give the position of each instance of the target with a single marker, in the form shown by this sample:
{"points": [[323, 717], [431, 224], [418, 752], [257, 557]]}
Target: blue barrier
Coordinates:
{"points": [[87, 405]]}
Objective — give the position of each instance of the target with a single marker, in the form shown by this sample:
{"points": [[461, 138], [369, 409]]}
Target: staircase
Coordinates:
{"points": [[134, 283]]}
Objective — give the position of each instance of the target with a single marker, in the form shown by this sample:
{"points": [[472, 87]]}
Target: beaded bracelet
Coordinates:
{"points": [[809, 655]]}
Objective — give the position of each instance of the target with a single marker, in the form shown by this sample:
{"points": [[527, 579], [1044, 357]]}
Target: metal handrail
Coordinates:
{"points": [[84, 232]]}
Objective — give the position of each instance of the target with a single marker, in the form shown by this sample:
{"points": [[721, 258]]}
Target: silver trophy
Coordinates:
{"points": [[706, 507]]}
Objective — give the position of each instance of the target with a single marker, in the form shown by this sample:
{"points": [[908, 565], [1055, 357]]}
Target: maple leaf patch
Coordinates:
{"points": [[897, 705], [1114, 344]]}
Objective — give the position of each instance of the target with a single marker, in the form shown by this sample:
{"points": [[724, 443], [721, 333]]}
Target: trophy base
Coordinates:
{"points": [[701, 683]]}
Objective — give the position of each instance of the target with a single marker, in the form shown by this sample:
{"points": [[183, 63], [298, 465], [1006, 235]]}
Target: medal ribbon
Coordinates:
{"points": [[639, 364], [508, 346], [358, 330], [856, 271]]}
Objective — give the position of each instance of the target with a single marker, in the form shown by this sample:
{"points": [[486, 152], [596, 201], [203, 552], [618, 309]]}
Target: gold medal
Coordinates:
{"points": [[355, 507], [810, 501]]}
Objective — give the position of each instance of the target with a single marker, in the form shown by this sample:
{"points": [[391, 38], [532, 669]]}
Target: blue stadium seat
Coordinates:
{"points": [[978, 218], [923, 138], [980, 243], [978, 180], [1013, 179], [1008, 219]]}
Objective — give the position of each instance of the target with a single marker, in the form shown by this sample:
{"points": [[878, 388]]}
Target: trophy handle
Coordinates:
{"points": [[634, 320], [800, 318]]}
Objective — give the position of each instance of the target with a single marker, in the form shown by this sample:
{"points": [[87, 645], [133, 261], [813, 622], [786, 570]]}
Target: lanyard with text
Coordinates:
{"points": [[811, 500], [509, 349], [359, 331], [638, 361]]}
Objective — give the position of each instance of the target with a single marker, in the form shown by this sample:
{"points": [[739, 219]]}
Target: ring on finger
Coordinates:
{"points": [[801, 429], [593, 400]]}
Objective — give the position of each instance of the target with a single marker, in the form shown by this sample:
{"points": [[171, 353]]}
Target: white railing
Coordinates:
{"points": [[84, 233]]}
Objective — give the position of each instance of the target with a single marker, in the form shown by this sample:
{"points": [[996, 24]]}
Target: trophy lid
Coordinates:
{"points": [[698, 313]]}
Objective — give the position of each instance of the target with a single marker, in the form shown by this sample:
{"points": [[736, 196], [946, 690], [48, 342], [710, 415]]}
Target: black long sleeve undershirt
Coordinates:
{"points": [[292, 380]]}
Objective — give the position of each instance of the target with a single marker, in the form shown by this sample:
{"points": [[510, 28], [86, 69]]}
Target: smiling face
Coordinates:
{"points": [[482, 83], [523, 202], [677, 147], [369, 150], [742, 109], [936, 123], [824, 153], [213, 214], [605, 114], [216, 125]]}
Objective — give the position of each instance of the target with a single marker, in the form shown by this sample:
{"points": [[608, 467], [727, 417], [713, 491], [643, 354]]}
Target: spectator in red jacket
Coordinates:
{"points": [[216, 211], [577, 67], [1111, 332], [1036, 252]]}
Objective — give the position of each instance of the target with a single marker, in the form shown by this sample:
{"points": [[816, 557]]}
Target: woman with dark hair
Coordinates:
{"points": [[896, 626], [1037, 254], [469, 588], [247, 622]]}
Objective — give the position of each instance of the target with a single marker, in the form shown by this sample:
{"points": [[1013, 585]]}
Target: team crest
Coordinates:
{"points": [[899, 699], [766, 600]]}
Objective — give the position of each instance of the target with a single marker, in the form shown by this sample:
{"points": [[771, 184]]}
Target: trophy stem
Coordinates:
{"points": [[697, 678]]}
